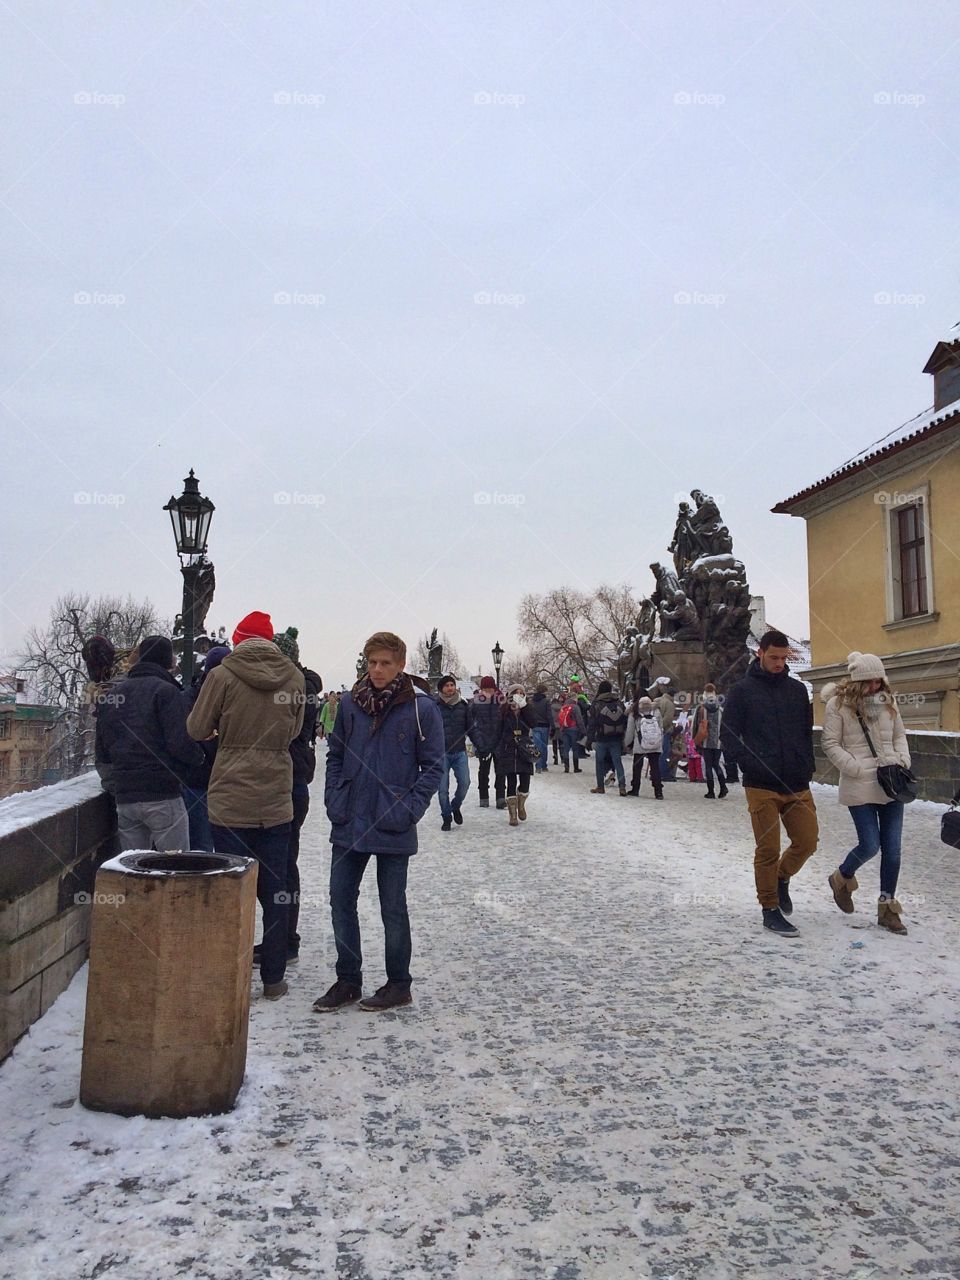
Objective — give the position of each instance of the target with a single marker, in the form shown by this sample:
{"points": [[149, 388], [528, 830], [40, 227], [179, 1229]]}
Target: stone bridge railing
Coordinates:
{"points": [[935, 757], [51, 842]]}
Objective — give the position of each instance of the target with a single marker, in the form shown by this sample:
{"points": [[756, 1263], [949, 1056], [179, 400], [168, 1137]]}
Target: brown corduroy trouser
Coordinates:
{"points": [[798, 814]]}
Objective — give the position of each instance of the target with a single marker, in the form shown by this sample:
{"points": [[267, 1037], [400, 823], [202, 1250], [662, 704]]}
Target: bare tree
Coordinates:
{"points": [[452, 662], [570, 632], [53, 660]]}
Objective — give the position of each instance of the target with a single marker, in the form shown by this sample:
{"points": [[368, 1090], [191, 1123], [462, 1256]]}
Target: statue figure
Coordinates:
{"points": [[682, 614], [686, 544], [708, 527], [434, 660], [647, 617]]}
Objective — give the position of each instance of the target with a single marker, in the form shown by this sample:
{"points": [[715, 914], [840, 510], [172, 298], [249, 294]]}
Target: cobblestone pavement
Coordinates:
{"points": [[610, 1070]]}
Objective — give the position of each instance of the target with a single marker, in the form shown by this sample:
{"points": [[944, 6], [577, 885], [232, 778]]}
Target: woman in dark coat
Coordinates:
{"points": [[516, 736]]}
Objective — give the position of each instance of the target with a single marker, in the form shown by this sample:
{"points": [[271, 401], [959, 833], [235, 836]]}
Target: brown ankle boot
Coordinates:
{"points": [[843, 891], [522, 805], [888, 916], [512, 810]]}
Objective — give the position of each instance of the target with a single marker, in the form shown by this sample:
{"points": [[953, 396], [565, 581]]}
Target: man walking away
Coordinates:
{"points": [[572, 727], [254, 702], [486, 708], [142, 743], [384, 764], [706, 735], [543, 719], [608, 723], [767, 731], [457, 723]]}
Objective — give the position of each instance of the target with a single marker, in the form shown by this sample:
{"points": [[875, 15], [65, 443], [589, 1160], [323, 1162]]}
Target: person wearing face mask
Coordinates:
{"points": [[863, 707], [513, 752]]}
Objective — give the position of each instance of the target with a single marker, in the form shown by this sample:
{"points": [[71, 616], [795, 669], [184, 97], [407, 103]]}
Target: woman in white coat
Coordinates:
{"points": [[878, 819]]}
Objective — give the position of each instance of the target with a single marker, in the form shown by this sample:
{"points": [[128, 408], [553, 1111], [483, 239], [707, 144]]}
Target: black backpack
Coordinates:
{"points": [[611, 719]]}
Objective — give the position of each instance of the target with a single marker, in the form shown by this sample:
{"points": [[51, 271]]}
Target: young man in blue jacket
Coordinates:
{"points": [[384, 764]]}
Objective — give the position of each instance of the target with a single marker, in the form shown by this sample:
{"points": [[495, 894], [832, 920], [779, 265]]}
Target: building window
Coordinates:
{"points": [[29, 768], [6, 724], [913, 571]]}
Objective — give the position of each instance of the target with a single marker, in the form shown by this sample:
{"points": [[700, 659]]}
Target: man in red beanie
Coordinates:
{"points": [[485, 708], [254, 702]]}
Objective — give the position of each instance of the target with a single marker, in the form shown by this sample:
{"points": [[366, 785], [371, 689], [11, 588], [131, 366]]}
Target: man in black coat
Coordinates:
{"points": [[457, 726], [767, 730], [142, 736]]}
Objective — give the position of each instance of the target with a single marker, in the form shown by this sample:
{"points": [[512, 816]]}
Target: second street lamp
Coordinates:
{"points": [[190, 516], [497, 654]]}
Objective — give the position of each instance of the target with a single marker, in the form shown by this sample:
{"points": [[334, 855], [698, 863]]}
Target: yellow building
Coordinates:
{"points": [[883, 558]]}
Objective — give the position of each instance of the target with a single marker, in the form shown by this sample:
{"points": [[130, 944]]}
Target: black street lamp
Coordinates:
{"points": [[497, 654], [190, 516]]}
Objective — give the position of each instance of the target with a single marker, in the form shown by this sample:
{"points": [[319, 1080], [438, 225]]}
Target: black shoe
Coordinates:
{"points": [[390, 996], [484, 803], [340, 994], [458, 817], [633, 793], [783, 896], [501, 803], [566, 768], [708, 795], [774, 921], [445, 825], [577, 769], [722, 792]]}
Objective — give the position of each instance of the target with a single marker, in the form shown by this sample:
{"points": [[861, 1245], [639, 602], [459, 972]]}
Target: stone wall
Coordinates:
{"points": [[51, 842], [935, 757]]}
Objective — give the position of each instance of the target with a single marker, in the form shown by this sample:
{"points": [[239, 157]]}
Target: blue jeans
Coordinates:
{"points": [[458, 762], [879, 828], [201, 836], [271, 848], [346, 873], [665, 773], [568, 743], [607, 753], [541, 736]]}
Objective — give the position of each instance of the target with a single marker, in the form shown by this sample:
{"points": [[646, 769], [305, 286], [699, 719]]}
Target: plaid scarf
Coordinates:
{"points": [[374, 702]]}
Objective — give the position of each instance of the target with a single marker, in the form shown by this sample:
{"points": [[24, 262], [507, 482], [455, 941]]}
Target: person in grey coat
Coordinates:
{"points": [[706, 736]]}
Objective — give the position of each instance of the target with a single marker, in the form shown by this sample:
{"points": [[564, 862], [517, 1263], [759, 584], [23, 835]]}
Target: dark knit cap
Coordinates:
{"points": [[487, 682], [157, 649], [214, 657], [286, 642], [604, 687], [446, 680]]}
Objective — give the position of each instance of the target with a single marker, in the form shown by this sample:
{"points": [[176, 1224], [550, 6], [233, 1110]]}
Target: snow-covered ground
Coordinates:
{"points": [[610, 1070]]}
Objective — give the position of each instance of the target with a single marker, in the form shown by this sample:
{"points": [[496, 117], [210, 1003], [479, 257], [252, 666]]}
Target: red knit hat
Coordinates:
{"points": [[255, 625], [487, 682]]}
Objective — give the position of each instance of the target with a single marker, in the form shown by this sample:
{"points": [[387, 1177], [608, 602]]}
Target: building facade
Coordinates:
{"points": [[883, 558], [30, 739]]}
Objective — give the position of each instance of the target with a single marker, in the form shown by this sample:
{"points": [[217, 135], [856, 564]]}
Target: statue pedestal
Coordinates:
{"points": [[684, 662]]}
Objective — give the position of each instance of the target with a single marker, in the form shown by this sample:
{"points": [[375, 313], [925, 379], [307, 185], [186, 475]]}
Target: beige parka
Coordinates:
{"points": [[846, 747]]}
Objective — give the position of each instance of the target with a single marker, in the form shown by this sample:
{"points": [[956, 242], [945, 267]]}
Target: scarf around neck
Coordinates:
{"points": [[374, 702]]}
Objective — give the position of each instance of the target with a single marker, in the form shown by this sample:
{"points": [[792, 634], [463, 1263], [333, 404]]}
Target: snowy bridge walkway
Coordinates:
{"points": [[609, 1071]]}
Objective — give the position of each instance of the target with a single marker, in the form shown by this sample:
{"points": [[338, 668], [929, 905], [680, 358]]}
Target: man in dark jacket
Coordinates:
{"points": [[303, 753], [486, 708], [384, 763], [543, 720], [607, 725], [457, 725], [142, 738], [767, 730]]}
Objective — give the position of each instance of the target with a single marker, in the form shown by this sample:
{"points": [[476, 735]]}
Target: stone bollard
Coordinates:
{"points": [[168, 995]]}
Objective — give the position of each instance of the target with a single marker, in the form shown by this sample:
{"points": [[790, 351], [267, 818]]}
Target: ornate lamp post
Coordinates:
{"points": [[190, 517], [497, 654]]}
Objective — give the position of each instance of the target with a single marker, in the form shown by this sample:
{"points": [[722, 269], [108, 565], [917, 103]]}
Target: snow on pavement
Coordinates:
{"points": [[609, 1070]]}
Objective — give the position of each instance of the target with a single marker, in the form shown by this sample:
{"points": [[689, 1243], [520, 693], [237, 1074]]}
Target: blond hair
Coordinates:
{"points": [[853, 694], [385, 640]]}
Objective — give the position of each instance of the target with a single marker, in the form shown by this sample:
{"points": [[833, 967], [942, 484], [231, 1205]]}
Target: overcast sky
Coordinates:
{"points": [[447, 302]]}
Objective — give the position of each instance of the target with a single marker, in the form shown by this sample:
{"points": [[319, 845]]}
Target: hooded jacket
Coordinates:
{"points": [[709, 707], [142, 738], [608, 718], [845, 746], [255, 701], [767, 731], [382, 774], [457, 723]]}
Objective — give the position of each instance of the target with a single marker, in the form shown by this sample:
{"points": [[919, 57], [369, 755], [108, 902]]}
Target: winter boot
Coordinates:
{"points": [[522, 805], [657, 793], [783, 895], [445, 825], [843, 890], [888, 916], [458, 817], [566, 768], [709, 795], [774, 921], [597, 791], [723, 791], [501, 803], [512, 807]]}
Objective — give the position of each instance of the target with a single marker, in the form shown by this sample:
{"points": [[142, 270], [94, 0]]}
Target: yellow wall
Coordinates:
{"points": [[847, 572]]}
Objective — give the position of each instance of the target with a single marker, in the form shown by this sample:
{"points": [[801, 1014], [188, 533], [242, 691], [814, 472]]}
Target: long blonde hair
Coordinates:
{"points": [[853, 694]]}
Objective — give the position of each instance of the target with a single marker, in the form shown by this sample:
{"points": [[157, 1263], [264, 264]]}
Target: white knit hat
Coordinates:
{"points": [[865, 666]]}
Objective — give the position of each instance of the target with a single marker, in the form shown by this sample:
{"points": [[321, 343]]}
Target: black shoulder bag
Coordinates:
{"points": [[895, 780], [950, 823]]}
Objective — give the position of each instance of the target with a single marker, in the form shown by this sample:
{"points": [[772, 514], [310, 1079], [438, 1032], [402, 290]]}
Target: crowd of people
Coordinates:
{"points": [[226, 765]]}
